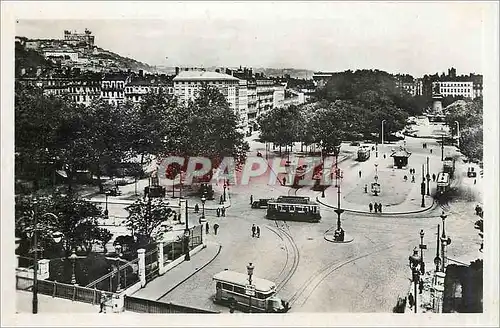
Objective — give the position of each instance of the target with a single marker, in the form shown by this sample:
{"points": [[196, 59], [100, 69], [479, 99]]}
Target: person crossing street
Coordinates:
{"points": [[216, 227], [253, 230]]}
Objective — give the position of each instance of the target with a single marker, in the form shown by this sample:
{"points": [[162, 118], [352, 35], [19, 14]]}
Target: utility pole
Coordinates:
{"points": [[442, 147]]}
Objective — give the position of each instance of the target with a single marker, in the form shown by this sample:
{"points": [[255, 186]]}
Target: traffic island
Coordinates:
{"points": [[331, 236]]}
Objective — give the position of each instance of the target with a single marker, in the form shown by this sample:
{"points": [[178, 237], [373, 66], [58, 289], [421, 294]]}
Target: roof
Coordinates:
{"points": [[261, 285], [401, 152], [203, 76]]}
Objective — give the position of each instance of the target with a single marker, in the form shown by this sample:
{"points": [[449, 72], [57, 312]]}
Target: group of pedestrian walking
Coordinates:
{"points": [[207, 228], [255, 231], [376, 207]]}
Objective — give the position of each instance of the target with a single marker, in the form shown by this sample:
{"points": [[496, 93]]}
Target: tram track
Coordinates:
{"points": [[284, 276], [301, 296]]}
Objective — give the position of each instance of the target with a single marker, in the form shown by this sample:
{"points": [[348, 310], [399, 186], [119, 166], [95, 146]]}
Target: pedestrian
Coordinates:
{"points": [[175, 216], [474, 181], [384, 156], [196, 208], [221, 200], [103, 303], [420, 286], [360, 173], [216, 227], [251, 199], [207, 228], [375, 207], [431, 150], [257, 232], [411, 300], [405, 178], [223, 211], [380, 207], [413, 178], [218, 212], [253, 230], [284, 180], [371, 207], [366, 188], [433, 177]]}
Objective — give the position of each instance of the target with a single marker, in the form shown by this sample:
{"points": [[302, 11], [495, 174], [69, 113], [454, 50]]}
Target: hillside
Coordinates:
{"points": [[294, 72], [123, 62], [29, 60]]}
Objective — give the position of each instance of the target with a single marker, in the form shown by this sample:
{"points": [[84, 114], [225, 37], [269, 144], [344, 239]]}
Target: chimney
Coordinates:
{"points": [[177, 70]]}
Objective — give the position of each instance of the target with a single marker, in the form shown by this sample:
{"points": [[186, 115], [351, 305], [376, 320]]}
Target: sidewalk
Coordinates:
{"points": [[164, 284], [48, 304]]}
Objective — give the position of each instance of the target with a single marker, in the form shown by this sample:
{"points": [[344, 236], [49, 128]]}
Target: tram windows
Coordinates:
{"points": [[218, 285], [298, 209], [305, 209], [239, 290], [227, 287], [291, 208], [314, 209]]}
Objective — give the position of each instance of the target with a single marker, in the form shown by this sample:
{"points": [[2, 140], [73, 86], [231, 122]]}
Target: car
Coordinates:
{"points": [[261, 203], [471, 173]]}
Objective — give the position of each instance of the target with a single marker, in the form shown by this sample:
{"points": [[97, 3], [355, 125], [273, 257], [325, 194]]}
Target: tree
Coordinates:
{"points": [[146, 216], [75, 219]]}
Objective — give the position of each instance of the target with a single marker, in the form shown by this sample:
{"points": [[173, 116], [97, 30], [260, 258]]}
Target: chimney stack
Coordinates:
{"points": [[177, 70]]}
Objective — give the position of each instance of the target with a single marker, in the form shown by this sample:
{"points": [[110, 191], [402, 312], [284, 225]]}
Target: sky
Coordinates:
{"points": [[414, 38]]}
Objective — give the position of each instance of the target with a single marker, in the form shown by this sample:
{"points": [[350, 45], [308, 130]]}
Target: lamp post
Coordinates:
{"points": [[442, 147], [339, 233], [250, 268], [383, 121], [428, 177], [422, 187], [415, 260], [422, 246], [337, 151], [187, 257], [445, 241], [224, 191], [203, 200], [106, 210], [73, 258], [458, 134], [437, 259]]}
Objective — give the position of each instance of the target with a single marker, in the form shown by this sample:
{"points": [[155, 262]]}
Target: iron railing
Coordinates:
{"points": [[141, 305]]}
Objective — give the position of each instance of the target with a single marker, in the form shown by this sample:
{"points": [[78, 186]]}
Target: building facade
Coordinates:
{"points": [[455, 88]]}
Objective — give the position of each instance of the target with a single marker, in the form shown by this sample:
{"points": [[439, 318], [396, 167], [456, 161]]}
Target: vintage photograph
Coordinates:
{"points": [[252, 165]]}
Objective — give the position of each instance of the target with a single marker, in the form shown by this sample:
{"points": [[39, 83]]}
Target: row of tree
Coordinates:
{"points": [[53, 133], [351, 106]]}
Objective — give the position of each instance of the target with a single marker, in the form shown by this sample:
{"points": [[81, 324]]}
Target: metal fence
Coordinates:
{"points": [[195, 236], [141, 305], [119, 278], [176, 249], [60, 290]]}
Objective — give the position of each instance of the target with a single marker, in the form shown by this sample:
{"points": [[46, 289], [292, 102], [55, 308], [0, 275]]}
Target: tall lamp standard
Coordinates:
{"points": [[444, 242], [383, 121], [225, 191], [428, 177], [437, 259], [415, 260], [250, 268], [187, 257], [73, 258], [203, 200], [337, 151], [34, 233], [422, 187], [422, 246], [339, 233]]}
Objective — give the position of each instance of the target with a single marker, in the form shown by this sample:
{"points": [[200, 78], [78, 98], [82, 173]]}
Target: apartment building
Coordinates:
{"points": [[455, 88]]}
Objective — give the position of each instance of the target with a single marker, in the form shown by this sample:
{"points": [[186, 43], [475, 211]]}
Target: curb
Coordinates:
{"points": [[384, 213], [192, 274]]}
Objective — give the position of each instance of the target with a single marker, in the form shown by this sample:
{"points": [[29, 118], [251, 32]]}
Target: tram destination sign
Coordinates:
{"points": [[250, 290]]}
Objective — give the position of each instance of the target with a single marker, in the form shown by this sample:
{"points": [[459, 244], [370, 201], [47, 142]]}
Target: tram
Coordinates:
{"points": [[449, 166], [232, 289], [443, 183], [293, 208], [363, 153]]}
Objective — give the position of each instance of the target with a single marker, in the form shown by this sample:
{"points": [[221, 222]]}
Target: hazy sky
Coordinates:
{"points": [[414, 38]]}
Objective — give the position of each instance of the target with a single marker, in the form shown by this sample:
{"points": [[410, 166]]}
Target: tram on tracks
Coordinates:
{"points": [[449, 166], [293, 208], [363, 153], [232, 289], [443, 183]]}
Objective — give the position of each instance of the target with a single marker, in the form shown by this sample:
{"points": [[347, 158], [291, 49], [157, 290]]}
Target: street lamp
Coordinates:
{"points": [[444, 242], [187, 257], [224, 191], [336, 149], [437, 259], [203, 200], [422, 187], [106, 210], [250, 268], [415, 260], [339, 233], [428, 177], [73, 258], [383, 121], [422, 247]]}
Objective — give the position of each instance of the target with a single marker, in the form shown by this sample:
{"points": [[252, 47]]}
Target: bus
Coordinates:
{"points": [[443, 183], [363, 153], [295, 208], [232, 289]]}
